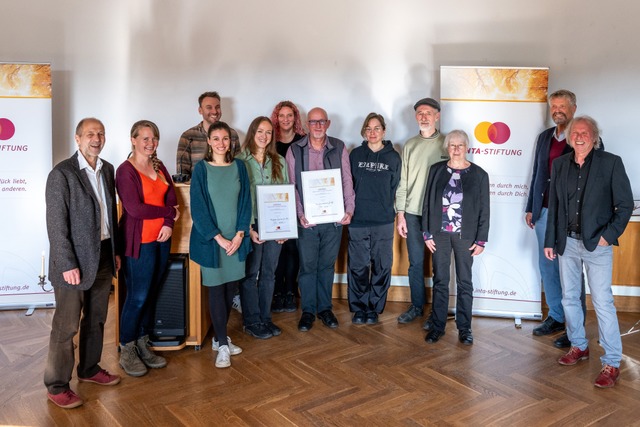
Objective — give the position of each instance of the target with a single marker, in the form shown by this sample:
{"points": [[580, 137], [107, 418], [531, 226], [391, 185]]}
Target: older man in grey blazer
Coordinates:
{"points": [[82, 228]]}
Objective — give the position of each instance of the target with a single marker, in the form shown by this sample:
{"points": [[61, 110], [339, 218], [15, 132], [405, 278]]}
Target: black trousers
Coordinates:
{"points": [[369, 267], [446, 243]]}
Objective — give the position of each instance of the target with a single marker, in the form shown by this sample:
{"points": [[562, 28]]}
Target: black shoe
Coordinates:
{"points": [[358, 318], [562, 341], [277, 304], [275, 331], [289, 304], [410, 315], [434, 336], [372, 318], [328, 319], [258, 330], [306, 322], [549, 326], [465, 336], [428, 324]]}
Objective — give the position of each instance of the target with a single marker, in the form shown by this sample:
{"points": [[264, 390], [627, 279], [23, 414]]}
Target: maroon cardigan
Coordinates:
{"points": [[134, 210]]}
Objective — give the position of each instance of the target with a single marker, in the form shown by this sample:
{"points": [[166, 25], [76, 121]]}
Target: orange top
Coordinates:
{"points": [[153, 192]]}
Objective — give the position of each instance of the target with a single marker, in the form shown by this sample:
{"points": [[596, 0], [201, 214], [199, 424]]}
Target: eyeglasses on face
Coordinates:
{"points": [[374, 129], [317, 122]]}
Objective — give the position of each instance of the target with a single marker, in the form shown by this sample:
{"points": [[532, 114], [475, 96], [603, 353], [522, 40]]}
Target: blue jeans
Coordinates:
{"points": [[415, 248], [599, 267], [143, 277], [549, 272], [256, 289], [318, 247], [88, 310]]}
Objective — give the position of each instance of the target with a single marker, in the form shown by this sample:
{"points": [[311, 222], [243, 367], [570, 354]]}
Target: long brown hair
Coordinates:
{"points": [[250, 146], [231, 152]]}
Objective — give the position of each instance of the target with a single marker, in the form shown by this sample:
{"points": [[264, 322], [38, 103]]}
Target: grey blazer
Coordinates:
{"points": [[73, 222]]}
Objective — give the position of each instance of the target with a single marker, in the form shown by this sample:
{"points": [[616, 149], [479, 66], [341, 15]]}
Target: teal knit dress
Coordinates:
{"points": [[223, 183]]}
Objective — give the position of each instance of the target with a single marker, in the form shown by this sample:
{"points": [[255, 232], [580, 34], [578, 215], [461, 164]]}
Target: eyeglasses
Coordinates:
{"points": [[318, 122], [375, 129]]}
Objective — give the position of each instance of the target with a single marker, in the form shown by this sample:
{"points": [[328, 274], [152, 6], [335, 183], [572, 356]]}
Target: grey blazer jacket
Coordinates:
{"points": [[73, 222]]}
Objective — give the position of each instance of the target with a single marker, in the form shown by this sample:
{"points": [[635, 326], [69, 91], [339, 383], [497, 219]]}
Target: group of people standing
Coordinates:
{"points": [[579, 205]]}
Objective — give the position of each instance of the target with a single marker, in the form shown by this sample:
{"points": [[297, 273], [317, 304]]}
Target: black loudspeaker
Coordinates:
{"points": [[170, 314]]}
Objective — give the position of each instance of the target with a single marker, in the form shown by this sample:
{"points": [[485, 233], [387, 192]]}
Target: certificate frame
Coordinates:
{"points": [[322, 196], [276, 208]]}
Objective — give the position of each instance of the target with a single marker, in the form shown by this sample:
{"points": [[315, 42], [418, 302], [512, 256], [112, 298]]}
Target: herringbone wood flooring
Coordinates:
{"points": [[383, 375]]}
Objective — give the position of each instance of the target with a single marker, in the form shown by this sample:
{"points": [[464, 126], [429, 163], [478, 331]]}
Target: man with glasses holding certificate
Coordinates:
{"points": [[314, 164]]}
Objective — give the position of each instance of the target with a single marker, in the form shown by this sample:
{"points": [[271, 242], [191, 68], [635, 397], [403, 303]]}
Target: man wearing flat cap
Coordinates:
{"points": [[418, 154]]}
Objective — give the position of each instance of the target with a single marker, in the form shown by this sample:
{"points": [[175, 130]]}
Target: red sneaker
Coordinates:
{"points": [[103, 377], [608, 377], [574, 356], [66, 400]]}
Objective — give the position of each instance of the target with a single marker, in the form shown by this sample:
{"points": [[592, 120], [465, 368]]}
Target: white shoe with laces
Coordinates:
{"points": [[223, 360], [236, 305], [233, 349]]}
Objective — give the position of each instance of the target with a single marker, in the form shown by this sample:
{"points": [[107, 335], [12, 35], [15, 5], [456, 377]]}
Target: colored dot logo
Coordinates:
{"points": [[497, 132], [7, 129]]}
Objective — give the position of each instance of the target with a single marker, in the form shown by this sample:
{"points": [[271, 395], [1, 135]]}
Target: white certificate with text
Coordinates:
{"points": [[276, 212], [322, 196]]}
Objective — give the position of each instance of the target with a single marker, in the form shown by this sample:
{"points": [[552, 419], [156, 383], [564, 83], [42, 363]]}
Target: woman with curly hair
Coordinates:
{"points": [[287, 128]]}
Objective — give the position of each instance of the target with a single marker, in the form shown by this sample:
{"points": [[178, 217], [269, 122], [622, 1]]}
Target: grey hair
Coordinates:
{"points": [[593, 126], [458, 134]]}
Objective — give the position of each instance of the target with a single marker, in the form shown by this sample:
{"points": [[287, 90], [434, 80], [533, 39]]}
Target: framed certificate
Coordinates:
{"points": [[276, 212], [322, 196]]}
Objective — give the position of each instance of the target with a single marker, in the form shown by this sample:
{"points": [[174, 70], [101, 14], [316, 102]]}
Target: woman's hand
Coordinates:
{"points": [[165, 234], [255, 237], [280, 242], [177, 212], [235, 244], [431, 244], [224, 243], [476, 249]]}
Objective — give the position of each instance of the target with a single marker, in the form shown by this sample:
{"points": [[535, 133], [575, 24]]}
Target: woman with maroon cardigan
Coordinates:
{"points": [[149, 211]]}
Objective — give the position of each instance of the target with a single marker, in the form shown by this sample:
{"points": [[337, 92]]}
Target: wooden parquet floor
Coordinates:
{"points": [[382, 375]]}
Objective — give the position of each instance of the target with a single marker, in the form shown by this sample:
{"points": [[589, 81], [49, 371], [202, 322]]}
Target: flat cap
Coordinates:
{"points": [[427, 101]]}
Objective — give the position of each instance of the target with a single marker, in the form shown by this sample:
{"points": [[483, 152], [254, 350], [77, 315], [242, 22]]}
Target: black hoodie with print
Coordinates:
{"points": [[375, 179]]}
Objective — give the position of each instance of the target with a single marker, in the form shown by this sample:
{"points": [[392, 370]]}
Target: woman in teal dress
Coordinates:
{"points": [[221, 213]]}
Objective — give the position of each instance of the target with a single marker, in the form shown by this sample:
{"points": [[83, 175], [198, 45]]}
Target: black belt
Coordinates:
{"points": [[574, 235]]}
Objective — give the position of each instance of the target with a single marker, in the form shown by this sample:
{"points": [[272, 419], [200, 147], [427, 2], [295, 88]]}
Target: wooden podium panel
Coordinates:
{"points": [[198, 319]]}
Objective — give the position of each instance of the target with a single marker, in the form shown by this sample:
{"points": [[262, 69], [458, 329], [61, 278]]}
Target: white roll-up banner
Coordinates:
{"points": [[25, 162], [502, 109]]}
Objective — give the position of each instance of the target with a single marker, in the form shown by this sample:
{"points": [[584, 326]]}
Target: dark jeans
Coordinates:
{"points": [[220, 302], [288, 267], [256, 289], [445, 244], [143, 278], [88, 309], [318, 247], [415, 248], [369, 272]]}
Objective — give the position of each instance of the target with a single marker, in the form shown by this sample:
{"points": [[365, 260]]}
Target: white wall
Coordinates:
{"points": [[124, 60]]}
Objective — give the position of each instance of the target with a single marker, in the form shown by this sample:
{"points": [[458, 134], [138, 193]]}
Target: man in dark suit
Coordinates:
{"points": [[590, 203], [82, 227], [550, 145]]}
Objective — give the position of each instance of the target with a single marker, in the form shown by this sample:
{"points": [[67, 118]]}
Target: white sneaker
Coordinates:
{"points": [[223, 360], [236, 304], [233, 349]]}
